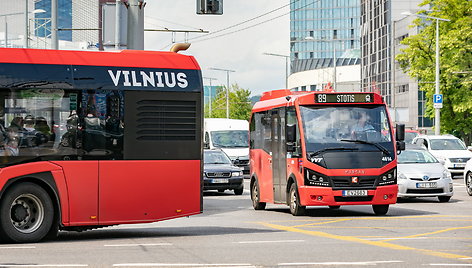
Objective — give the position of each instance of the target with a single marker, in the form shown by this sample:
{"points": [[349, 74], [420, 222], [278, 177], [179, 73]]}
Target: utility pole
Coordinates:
{"points": [[209, 101], [54, 39], [287, 58], [135, 24], [26, 25], [227, 87], [117, 24]]}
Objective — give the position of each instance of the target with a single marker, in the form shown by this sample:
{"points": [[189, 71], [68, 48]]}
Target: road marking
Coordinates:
{"points": [[18, 247], [213, 265], [363, 241], [430, 233], [338, 263], [450, 264], [139, 245], [43, 265], [396, 238], [320, 223], [274, 241]]}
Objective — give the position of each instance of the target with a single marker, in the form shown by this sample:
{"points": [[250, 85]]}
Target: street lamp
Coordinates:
{"points": [[26, 23], [286, 65], [437, 115], [334, 56], [209, 101], [227, 86]]}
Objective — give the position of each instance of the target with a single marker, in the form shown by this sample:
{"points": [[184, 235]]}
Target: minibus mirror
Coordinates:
{"points": [[291, 133], [400, 132], [400, 146]]}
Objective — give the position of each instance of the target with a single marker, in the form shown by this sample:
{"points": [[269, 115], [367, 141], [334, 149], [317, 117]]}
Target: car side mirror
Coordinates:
{"points": [[469, 148], [442, 161], [206, 145], [236, 161]]}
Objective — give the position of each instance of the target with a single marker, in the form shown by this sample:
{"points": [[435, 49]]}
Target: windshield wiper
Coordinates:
{"points": [[315, 153], [380, 147]]}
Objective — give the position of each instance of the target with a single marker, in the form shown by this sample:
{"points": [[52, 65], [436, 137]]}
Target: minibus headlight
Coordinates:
{"points": [[315, 179], [389, 177]]}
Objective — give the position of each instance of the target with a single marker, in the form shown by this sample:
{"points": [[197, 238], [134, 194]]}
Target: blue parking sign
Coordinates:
{"points": [[438, 98]]}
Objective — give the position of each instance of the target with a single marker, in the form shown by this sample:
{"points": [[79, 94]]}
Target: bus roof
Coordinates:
{"points": [[286, 97], [124, 58]]}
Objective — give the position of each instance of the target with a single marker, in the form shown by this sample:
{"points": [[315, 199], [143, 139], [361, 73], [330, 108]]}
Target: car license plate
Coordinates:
{"points": [[355, 193], [220, 181], [459, 165], [426, 185]]}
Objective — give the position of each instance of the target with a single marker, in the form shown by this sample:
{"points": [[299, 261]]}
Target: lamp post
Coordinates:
{"points": [[286, 65], [227, 86], [333, 42], [209, 101], [437, 115]]}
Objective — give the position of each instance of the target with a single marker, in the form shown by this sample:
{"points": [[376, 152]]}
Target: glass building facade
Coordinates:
{"points": [[64, 20], [324, 30]]}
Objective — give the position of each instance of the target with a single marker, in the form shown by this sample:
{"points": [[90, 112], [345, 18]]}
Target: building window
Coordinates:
{"points": [[312, 87]]}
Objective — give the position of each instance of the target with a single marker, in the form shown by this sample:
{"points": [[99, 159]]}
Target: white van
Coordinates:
{"points": [[231, 136]]}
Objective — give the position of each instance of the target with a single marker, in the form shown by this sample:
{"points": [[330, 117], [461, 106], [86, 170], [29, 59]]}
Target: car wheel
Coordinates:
{"points": [[380, 209], [468, 183], [444, 199], [334, 207], [26, 213], [295, 208], [239, 191], [255, 197]]}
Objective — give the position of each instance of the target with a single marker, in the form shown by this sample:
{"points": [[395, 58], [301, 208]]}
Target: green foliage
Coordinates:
{"points": [[239, 103], [419, 60]]}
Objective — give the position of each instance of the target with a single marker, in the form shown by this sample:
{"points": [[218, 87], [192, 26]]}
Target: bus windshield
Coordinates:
{"points": [[230, 138], [346, 127]]}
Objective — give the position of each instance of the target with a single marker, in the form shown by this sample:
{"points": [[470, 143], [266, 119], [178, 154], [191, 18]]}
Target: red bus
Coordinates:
{"points": [[323, 149], [93, 139]]}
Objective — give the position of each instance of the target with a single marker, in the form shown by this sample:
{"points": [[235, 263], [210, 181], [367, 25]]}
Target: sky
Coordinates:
{"points": [[242, 51]]}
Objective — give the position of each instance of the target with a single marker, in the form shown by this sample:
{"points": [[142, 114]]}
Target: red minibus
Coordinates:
{"points": [[323, 149], [93, 139]]}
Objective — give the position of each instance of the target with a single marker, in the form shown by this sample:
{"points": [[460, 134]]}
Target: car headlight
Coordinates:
{"points": [[402, 176], [236, 173], [447, 175]]}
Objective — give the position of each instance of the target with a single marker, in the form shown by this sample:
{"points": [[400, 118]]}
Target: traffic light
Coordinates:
{"points": [[210, 7]]}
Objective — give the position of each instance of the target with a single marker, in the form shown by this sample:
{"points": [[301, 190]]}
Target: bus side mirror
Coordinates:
{"points": [[400, 132], [291, 133]]}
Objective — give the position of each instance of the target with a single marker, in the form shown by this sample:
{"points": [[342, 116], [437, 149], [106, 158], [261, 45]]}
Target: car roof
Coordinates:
{"points": [[414, 147], [435, 137]]}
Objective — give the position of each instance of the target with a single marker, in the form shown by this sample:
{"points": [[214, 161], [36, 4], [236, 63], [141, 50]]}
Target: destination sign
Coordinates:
{"points": [[344, 98]]}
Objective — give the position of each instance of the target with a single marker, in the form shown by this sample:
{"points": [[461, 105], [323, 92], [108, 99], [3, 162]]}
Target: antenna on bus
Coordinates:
{"points": [[179, 46]]}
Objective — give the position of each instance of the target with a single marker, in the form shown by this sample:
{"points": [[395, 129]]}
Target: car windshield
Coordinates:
{"points": [[409, 136], [216, 157], [346, 127], [447, 144], [230, 138], [416, 157]]}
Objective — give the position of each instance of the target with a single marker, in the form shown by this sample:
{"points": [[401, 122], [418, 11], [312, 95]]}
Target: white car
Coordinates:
{"points": [[448, 149], [468, 177], [420, 174]]}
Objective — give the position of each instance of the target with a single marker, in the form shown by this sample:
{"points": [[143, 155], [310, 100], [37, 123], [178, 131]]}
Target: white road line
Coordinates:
{"points": [[139, 245], [274, 241], [395, 238], [43, 265], [213, 265], [338, 263], [469, 258], [18, 247], [450, 264]]}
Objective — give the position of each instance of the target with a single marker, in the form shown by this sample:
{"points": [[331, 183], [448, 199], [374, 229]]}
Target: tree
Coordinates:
{"points": [[239, 103], [419, 57]]}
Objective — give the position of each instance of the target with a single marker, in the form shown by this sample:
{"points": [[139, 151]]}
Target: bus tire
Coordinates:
{"points": [[255, 197], [295, 208], [380, 209], [26, 213], [239, 191]]}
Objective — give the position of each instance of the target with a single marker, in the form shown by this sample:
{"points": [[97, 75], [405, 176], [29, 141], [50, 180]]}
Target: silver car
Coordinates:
{"points": [[420, 174]]}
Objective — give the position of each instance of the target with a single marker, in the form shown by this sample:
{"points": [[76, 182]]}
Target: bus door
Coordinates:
{"points": [[278, 148]]}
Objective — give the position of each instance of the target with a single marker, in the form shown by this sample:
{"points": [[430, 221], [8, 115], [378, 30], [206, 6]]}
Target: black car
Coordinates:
{"points": [[220, 173]]}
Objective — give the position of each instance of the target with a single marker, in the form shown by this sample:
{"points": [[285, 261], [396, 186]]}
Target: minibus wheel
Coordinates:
{"points": [[26, 213], [380, 209], [255, 197], [295, 208]]}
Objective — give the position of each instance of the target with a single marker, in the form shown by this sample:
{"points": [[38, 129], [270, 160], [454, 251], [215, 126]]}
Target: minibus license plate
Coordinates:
{"points": [[219, 180], [426, 185], [355, 193]]}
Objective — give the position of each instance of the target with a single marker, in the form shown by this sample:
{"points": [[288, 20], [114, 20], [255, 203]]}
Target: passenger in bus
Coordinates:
{"points": [[12, 142], [33, 137], [42, 126]]}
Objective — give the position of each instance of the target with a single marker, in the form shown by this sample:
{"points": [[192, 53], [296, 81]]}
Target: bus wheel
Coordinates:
{"points": [[26, 213], [295, 208], [239, 191], [380, 209], [256, 204]]}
